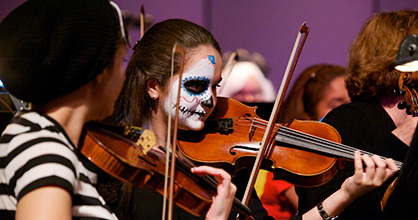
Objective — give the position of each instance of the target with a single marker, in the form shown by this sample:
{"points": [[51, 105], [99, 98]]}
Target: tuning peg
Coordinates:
{"points": [[402, 105]]}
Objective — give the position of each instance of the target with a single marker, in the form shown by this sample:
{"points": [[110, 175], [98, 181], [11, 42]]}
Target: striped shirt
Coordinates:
{"points": [[35, 152]]}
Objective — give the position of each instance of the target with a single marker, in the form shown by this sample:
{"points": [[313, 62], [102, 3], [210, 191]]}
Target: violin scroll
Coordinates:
{"points": [[408, 88]]}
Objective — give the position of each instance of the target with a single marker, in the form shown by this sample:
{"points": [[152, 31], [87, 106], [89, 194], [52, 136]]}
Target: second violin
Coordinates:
{"points": [[140, 165], [298, 152]]}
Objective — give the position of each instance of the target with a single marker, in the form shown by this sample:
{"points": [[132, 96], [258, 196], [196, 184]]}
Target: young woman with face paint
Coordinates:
{"points": [[145, 101], [198, 92]]}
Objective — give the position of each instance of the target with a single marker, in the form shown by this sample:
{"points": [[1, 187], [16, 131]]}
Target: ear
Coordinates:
{"points": [[99, 78], [106, 73], [153, 88]]}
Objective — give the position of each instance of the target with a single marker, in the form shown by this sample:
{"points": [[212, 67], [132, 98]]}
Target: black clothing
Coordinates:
{"points": [[146, 203], [403, 200], [366, 126]]}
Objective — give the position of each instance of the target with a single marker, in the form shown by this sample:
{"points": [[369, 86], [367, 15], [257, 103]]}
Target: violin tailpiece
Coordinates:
{"points": [[146, 141]]}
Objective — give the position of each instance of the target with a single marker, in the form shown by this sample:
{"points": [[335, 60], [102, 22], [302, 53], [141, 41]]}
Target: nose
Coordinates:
{"points": [[208, 102]]}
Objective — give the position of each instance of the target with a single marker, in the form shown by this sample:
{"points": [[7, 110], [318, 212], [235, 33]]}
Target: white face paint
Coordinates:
{"points": [[196, 96]]}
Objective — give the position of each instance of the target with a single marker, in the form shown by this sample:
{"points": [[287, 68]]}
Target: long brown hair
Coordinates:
{"points": [[151, 60]]}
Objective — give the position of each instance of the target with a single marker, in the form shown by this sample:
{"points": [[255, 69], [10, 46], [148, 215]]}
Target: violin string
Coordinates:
{"points": [[327, 144], [330, 145], [345, 149], [317, 139], [307, 140], [415, 102]]}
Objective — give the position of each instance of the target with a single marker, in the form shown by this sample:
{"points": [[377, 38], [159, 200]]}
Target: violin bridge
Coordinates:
{"points": [[146, 141]]}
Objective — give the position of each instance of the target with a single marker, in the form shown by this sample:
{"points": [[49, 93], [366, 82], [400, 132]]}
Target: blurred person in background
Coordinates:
{"points": [[245, 79], [317, 90]]}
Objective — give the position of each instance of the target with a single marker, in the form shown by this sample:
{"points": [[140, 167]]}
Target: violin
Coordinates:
{"points": [[140, 164], [407, 86], [304, 153]]}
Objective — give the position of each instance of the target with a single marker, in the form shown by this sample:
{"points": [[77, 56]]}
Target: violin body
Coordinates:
{"points": [[233, 145], [123, 159]]}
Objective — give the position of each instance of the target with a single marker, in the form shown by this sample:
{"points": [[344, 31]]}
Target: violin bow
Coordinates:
{"points": [[142, 26], [172, 140], [142, 16], [275, 112]]}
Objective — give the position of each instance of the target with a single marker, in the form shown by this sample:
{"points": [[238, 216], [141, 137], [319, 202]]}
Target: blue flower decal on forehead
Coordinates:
{"points": [[212, 59]]}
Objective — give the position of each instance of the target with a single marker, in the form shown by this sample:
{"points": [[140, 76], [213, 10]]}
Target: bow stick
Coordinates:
{"points": [[279, 99], [172, 149], [142, 16]]}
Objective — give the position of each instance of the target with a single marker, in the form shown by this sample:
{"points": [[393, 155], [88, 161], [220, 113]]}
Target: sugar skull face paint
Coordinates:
{"points": [[196, 94]]}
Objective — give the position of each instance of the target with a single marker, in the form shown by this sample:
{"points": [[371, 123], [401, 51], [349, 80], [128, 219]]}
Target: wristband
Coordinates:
{"points": [[324, 214]]}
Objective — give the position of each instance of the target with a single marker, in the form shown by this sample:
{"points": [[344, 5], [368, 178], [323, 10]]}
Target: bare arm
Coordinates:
{"points": [[376, 172], [49, 202]]}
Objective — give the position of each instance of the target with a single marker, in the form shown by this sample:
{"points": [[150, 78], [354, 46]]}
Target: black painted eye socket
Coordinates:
{"points": [[196, 86]]}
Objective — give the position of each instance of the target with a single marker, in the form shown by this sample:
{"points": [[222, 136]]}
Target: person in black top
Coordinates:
{"points": [[372, 121]]}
